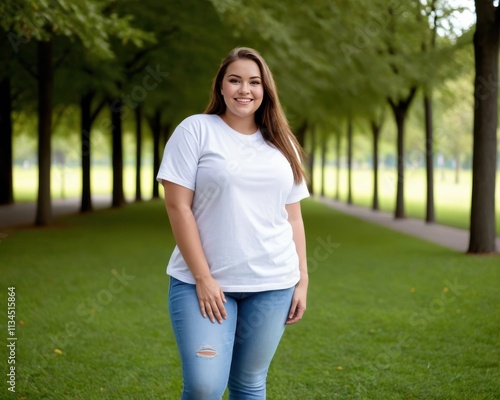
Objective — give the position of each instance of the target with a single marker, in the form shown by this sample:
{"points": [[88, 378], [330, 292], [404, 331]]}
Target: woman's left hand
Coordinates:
{"points": [[298, 306]]}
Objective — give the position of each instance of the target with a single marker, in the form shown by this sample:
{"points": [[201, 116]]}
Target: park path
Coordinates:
{"points": [[447, 236], [23, 214]]}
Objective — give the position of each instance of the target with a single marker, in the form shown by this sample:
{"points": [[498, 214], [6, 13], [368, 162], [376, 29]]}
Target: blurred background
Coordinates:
{"points": [[387, 97]]}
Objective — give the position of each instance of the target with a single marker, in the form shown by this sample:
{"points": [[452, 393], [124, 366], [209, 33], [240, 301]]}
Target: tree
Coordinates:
{"points": [[349, 159], [486, 51], [440, 64], [324, 162], [376, 128], [88, 116], [138, 152], [45, 81], [42, 22], [6, 186], [429, 13]]}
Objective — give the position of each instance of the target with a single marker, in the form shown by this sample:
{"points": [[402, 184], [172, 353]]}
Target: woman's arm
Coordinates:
{"points": [[298, 306], [178, 200]]}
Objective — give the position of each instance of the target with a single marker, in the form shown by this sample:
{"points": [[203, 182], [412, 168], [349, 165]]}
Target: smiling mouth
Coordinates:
{"points": [[244, 101]]}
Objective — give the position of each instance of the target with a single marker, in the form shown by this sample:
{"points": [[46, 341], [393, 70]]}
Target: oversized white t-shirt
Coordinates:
{"points": [[241, 185]]}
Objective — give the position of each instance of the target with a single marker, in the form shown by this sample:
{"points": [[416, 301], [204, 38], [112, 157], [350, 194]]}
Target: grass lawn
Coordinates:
{"points": [[451, 200], [389, 316], [67, 182]]}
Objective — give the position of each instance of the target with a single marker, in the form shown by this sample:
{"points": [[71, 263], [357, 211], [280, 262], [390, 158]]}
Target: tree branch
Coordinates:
{"points": [[63, 57], [435, 23], [97, 110], [27, 67], [145, 51]]}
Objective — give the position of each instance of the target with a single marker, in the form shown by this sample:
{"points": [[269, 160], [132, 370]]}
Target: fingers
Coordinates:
{"points": [[215, 310], [296, 313], [211, 299]]}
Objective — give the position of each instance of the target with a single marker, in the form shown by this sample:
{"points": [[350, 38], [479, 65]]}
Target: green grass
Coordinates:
{"points": [[67, 182], [452, 200], [383, 321]]}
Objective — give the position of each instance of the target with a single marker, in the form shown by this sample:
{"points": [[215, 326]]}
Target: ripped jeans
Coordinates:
{"points": [[235, 354]]}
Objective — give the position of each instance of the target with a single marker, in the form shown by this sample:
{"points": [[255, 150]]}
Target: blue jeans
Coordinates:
{"points": [[235, 354]]}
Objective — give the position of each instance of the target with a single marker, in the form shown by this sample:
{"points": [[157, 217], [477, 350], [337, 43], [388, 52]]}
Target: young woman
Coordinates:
{"points": [[233, 183]]}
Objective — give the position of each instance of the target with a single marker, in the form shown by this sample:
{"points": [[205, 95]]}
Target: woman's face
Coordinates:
{"points": [[242, 88]]}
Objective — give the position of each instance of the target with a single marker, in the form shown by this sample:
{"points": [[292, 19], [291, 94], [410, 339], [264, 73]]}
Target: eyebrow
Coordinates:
{"points": [[237, 76]]}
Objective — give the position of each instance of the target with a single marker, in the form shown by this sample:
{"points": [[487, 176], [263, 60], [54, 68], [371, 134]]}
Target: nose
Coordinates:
{"points": [[244, 88]]}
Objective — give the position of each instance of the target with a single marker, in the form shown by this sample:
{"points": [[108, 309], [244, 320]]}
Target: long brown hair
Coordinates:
{"points": [[270, 117]]}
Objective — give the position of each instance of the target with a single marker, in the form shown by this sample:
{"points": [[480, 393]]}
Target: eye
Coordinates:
{"points": [[255, 83], [233, 80]]}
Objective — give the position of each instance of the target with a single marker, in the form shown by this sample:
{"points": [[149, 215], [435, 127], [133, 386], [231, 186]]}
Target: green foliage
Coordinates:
{"points": [[346, 57], [93, 22], [330, 59]]}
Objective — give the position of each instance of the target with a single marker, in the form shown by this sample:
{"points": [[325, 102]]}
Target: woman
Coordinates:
{"points": [[233, 183]]}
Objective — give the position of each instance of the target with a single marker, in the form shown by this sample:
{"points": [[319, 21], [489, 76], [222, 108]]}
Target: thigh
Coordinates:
{"points": [[205, 348], [260, 326]]}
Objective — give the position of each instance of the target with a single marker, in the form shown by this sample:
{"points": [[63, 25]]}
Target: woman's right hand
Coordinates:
{"points": [[212, 299]]}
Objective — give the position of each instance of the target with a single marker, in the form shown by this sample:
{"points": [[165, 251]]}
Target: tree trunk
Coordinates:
{"points": [[349, 161], [300, 133], [376, 129], [155, 125], [6, 159], [337, 164], [118, 198], [86, 124], [167, 132], [486, 45], [323, 165], [430, 216], [400, 110], [45, 80], [457, 168], [138, 152], [312, 159]]}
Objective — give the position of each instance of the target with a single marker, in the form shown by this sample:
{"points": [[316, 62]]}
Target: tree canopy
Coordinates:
{"points": [[337, 64]]}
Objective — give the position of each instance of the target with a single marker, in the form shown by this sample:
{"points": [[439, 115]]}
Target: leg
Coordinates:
{"points": [[260, 325], [205, 348]]}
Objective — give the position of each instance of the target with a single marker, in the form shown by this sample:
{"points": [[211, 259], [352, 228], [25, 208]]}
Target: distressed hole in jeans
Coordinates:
{"points": [[206, 351]]}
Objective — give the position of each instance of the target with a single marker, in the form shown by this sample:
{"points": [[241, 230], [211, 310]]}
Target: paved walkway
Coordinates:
{"points": [[23, 214], [454, 238]]}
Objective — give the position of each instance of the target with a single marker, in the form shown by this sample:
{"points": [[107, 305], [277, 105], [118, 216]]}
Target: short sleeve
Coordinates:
{"points": [[299, 192], [180, 159]]}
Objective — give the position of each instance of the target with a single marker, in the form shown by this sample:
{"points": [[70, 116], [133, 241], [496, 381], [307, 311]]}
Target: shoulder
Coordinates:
{"points": [[199, 123]]}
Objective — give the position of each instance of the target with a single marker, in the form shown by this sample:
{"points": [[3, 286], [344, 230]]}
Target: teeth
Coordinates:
{"points": [[244, 100]]}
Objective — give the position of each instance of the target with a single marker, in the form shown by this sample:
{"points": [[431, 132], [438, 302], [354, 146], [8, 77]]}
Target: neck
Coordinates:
{"points": [[246, 126]]}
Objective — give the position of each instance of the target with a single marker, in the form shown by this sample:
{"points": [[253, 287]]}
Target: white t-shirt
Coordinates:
{"points": [[241, 185]]}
